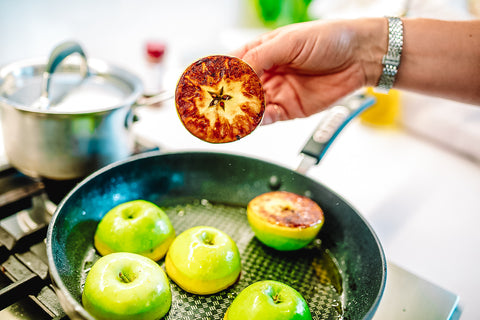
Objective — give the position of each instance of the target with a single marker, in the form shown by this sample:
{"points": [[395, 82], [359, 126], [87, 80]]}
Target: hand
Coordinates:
{"points": [[306, 67]]}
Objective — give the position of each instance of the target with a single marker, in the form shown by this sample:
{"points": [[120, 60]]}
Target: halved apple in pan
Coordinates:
{"points": [[220, 99], [284, 220]]}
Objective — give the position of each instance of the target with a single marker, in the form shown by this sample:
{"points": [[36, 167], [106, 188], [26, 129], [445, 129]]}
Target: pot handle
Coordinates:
{"points": [[58, 54], [334, 121], [144, 101], [155, 100]]}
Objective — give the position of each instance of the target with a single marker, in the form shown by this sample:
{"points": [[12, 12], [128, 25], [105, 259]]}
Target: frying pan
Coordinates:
{"points": [[341, 274]]}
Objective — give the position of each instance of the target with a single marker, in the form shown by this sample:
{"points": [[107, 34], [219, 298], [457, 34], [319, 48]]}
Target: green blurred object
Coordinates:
{"points": [[269, 10], [276, 13]]}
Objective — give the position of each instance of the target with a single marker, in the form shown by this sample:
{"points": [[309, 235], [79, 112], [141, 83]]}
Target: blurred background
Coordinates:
{"points": [[118, 30], [414, 173]]}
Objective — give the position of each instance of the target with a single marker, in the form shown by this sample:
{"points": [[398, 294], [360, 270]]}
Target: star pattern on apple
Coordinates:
{"points": [[219, 99]]}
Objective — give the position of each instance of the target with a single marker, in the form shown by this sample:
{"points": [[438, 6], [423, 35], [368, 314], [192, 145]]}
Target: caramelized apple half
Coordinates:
{"points": [[220, 99], [284, 220]]}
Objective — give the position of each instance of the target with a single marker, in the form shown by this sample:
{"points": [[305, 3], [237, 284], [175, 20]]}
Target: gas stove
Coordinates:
{"points": [[26, 291]]}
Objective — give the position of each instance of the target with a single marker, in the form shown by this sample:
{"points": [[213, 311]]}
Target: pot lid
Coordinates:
{"points": [[67, 83]]}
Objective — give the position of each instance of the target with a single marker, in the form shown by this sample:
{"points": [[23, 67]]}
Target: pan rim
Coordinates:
{"points": [[62, 290]]}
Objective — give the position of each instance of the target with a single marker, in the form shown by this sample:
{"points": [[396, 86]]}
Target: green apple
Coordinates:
{"points": [[268, 300], [203, 260], [125, 285], [137, 226]]}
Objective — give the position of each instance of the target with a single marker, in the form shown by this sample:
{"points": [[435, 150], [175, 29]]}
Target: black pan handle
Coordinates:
{"points": [[335, 119]]}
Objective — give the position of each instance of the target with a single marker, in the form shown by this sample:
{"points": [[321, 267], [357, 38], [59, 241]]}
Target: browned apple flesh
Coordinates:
{"points": [[286, 209], [220, 99]]}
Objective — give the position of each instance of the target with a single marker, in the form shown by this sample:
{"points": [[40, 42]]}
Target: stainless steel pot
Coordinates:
{"points": [[61, 120]]}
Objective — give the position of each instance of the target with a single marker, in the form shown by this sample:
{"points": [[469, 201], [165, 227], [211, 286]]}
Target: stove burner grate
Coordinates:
{"points": [[26, 290]]}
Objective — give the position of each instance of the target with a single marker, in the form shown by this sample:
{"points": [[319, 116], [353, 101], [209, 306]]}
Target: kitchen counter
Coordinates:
{"points": [[421, 198]]}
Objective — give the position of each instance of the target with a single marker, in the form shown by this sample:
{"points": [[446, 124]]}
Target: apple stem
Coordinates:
{"points": [[207, 238], [276, 299], [124, 277]]}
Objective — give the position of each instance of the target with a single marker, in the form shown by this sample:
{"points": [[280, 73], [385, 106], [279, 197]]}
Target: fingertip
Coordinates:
{"points": [[238, 52], [249, 58], [273, 113], [267, 119], [252, 61]]}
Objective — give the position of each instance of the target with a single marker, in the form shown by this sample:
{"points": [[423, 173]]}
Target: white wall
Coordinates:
{"points": [[113, 30]]}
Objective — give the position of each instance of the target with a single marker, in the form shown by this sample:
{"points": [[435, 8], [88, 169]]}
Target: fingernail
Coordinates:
{"points": [[267, 119]]}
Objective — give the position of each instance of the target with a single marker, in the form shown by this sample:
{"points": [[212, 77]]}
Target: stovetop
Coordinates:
{"points": [[26, 291]]}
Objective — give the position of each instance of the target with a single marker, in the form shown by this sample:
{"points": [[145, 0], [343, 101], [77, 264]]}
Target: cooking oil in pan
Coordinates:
{"points": [[312, 271]]}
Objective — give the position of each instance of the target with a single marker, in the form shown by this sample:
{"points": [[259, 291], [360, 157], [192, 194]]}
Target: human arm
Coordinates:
{"points": [[441, 58], [307, 67]]}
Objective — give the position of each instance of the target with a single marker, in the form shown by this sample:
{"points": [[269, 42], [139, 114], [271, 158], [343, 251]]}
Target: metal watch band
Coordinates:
{"points": [[391, 60]]}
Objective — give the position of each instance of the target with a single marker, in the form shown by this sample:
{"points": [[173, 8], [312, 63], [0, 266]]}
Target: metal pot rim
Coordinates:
{"points": [[100, 67]]}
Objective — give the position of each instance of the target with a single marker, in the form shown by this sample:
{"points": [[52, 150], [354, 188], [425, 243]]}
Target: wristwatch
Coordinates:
{"points": [[391, 60]]}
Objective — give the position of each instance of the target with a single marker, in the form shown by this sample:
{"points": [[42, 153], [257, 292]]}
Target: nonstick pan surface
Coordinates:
{"points": [[341, 274]]}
